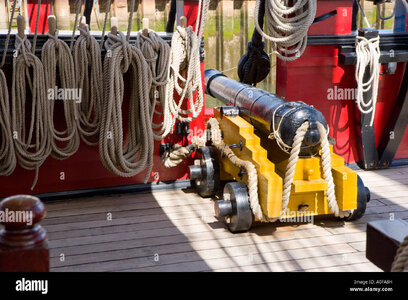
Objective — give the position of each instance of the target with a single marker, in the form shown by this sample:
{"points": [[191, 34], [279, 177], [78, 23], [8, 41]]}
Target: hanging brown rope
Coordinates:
{"points": [[121, 158], [156, 51], [56, 56], [88, 70], [8, 159], [33, 139]]}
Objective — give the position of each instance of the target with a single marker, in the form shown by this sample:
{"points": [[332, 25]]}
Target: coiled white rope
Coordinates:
{"points": [[287, 26], [184, 55], [368, 60], [56, 55], [156, 51], [32, 146], [88, 71], [129, 159]]}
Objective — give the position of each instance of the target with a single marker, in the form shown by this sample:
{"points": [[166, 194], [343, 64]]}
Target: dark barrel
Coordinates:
{"points": [[263, 109]]}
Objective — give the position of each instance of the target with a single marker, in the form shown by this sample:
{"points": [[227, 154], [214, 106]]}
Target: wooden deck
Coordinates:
{"points": [[176, 231]]}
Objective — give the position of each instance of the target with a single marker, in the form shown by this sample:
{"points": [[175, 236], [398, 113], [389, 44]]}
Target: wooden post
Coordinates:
{"points": [[121, 12], [23, 242], [148, 9], [114, 25], [62, 13], [52, 25], [145, 30]]}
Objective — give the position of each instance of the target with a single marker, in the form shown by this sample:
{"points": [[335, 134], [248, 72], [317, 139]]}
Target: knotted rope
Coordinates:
{"points": [[287, 25], [126, 160], [156, 52], [368, 60], [32, 146], [56, 55], [400, 263], [88, 70]]}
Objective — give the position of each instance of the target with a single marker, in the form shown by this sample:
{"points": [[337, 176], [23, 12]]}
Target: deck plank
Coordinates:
{"points": [[177, 231]]}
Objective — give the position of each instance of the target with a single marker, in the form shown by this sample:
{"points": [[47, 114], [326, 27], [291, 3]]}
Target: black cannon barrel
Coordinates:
{"points": [[265, 110]]}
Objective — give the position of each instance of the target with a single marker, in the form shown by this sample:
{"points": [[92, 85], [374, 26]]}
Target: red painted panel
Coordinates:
{"points": [[43, 18], [338, 24]]}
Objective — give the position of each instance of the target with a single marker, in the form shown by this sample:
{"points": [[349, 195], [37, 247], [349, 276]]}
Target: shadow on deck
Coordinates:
{"points": [[175, 230]]}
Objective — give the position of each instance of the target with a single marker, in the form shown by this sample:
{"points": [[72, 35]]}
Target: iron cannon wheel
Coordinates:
{"points": [[206, 172], [238, 215]]}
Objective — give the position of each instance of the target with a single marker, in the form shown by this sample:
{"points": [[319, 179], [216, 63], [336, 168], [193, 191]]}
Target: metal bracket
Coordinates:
{"points": [[229, 111]]}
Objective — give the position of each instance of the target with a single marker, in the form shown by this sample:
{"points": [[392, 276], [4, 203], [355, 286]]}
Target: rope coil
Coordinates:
{"points": [[185, 55], [8, 160], [156, 52], [56, 55], [137, 155], [400, 263], [287, 25], [368, 60], [88, 70], [7, 155], [32, 146]]}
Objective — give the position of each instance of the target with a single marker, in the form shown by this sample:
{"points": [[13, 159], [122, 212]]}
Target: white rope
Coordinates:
{"points": [[252, 175], [32, 146], [290, 168], [184, 56], [368, 59], [56, 55], [288, 33], [400, 263], [177, 154], [88, 70], [129, 159]]}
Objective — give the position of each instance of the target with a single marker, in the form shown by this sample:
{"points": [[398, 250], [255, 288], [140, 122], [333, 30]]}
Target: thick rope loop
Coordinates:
{"points": [[288, 34], [400, 263]]}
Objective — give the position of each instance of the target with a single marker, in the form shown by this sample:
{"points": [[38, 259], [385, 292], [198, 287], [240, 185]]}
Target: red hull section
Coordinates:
{"points": [[318, 77]]}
